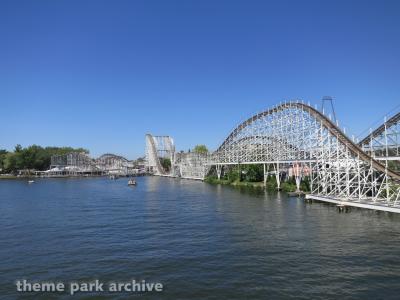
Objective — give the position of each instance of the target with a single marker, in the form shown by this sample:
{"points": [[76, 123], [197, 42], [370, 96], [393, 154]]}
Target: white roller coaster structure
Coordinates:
{"points": [[296, 135], [159, 147]]}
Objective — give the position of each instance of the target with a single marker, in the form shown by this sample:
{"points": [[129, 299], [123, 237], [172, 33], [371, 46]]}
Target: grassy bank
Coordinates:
{"points": [[214, 180], [287, 186], [253, 176], [9, 177]]}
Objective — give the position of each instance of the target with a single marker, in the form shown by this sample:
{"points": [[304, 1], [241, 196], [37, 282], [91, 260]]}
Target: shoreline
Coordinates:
{"points": [[287, 187], [15, 177]]}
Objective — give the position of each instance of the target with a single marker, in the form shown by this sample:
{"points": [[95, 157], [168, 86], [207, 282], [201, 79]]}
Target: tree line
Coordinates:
{"points": [[31, 157]]}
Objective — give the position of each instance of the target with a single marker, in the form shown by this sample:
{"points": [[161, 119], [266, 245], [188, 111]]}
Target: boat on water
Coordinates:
{"points": [[132, 182], [31, 181]]}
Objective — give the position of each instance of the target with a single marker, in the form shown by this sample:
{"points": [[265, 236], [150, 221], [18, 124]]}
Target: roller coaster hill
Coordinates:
{"points": [[296, 138]]}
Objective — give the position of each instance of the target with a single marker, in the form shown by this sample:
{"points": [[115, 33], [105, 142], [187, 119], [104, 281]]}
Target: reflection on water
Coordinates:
{"points": [[201, 241]]}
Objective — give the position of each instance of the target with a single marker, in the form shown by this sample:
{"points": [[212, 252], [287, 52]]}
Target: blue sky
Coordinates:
{"points": [[101, 74]]}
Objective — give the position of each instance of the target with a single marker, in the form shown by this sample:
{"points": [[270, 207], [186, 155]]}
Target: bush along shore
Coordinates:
{"points": [[253, 176]]}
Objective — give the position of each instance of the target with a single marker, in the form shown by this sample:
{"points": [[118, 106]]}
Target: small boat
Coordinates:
{"points": [[31, 181], [131, 182]]}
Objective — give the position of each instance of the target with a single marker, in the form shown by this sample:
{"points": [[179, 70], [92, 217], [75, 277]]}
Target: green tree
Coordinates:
{"points": [[32, 157], [10, 162], [200, 149], [166, 163], [233, 174], [3, 154], [18, 148], [253, 173]]}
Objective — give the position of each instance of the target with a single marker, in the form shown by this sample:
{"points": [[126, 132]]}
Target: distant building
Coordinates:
{"points": [[80, 164]]}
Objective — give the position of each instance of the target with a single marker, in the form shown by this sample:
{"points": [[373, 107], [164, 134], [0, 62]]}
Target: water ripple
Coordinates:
{"points": [[200, 241]]}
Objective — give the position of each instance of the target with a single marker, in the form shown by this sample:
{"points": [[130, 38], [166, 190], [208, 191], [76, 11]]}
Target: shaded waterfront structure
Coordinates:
{"points": [[192, 165], [73, 164], [189, 165], [81, 164], [117, 165]]}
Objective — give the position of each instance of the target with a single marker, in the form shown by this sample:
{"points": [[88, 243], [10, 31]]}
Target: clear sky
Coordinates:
{"points": [[101, 74]]}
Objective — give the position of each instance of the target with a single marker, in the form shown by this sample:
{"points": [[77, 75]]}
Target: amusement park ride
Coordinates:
{"points": [[298, 136]]}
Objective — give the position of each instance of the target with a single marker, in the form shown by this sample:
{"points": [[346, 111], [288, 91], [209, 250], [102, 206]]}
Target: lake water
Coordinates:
{"points": [[200, 241]]}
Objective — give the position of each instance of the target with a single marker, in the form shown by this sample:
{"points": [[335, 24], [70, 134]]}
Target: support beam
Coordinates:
{"points": [[219, 171], [277, 176], [297, 175]]}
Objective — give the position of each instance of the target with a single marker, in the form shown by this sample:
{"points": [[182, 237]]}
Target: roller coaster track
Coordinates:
{"points": [[328, 124], [157, 148], [294, 135], [153, 156], [380, 130]]}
